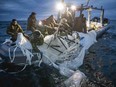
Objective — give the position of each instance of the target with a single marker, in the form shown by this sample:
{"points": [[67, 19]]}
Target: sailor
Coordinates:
{"points": [[68, 16], [65, 27], [51, 21], [50, 24], [14, 29], [37, 38], [84, 28], [80, 24], [31, 23]]}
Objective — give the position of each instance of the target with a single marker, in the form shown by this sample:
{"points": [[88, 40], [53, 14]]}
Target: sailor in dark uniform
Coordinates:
{"points": [[14, 29], [36, 39]]}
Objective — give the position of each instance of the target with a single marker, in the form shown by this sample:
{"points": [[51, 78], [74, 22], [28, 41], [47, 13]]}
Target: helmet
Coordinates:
{"points": [[33, 13], [14, 20], [36, 33]]}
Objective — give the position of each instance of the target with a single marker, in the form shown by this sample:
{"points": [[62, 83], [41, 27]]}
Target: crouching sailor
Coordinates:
{"points": [[37, 38], [14, 29]]}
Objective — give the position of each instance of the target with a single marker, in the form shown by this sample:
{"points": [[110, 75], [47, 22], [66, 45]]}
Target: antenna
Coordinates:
{"points": [[87, 2]]}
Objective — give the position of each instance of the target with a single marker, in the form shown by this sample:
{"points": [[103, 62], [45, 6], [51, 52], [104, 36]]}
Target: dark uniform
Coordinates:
{"points": [[65, 27], [14, 29], [68, 16], [80, 24], [49, 25], [36, 39], [31, 23], [84, 25]]}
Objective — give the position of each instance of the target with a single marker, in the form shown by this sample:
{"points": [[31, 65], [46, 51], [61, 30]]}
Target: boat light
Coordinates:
{"points": [[60, 6], [73, 7], [40, 23]]}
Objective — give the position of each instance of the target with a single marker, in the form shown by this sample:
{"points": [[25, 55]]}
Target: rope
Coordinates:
{"points": [[25, 52], [9, 54], [12, 59], [19, 70], [14, 54], [7, 40], [41, 56]]}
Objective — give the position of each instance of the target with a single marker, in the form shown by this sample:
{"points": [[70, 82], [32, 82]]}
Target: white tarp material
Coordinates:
{"points": [[72, 57], [76, 80], [52, 54], [86, 42], [25, 46], [22, 43], [89, 39]]}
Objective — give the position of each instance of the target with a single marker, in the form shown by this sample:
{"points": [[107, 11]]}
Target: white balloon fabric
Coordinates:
{"points": [[70, 58], [25, 45], [23, 41]]}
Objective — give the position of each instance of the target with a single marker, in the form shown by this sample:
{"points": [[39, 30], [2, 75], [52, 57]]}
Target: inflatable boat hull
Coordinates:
{"points": [[7, 54], [20, 58]]}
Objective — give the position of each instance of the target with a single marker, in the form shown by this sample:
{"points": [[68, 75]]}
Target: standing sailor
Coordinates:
{"points": [[84, 28], [31, 23], [68, 16], [80, 24]]}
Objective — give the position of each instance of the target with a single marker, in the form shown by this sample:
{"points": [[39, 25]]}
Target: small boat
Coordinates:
{"points": [[66, 53], [12, 53], [54, 46]]}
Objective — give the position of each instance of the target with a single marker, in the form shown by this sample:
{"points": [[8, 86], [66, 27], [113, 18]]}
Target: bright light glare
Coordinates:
{"points": [[73, 7], [60, 6], [40, 23]]}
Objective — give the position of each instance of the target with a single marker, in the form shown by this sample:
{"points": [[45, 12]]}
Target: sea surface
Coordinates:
{"points": [[101, 59], [102, 55]]}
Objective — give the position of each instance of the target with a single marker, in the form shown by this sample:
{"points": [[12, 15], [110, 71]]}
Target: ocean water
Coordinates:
{"points": [[102, 57], [105, 50]]}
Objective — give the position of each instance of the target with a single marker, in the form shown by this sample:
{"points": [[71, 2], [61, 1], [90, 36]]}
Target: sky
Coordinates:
{"points": [[21, 9]]}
